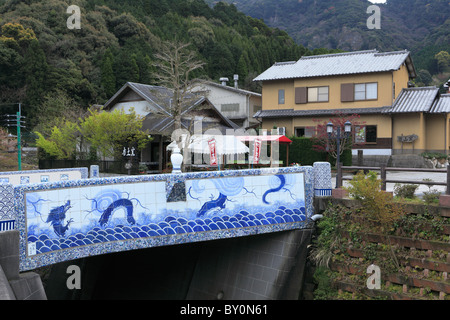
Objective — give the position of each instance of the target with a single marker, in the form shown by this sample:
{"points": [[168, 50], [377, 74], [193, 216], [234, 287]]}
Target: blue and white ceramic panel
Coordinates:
{"points": [[322, 179], [68, 218], [7, 210], [246, 201], [74, 219]]}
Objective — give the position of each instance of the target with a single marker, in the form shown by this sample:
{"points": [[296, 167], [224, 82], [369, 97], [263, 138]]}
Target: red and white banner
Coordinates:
{"points": [[212, 152], [257, 151]]}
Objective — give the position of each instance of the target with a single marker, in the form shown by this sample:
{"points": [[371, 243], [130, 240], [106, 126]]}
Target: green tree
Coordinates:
{"points": [[242, 66], [35, 70], [103, 131], [62, 142], [107, 132], [443, 61], [108, 76], [425, 77], [145, 69]]}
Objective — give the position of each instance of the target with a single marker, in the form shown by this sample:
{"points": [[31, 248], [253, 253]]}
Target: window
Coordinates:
{"points": [[318, 94], [371, 134], [366, 91], [281, 96], [230, 107], [306, 132], [365, 134], [299, 132]]}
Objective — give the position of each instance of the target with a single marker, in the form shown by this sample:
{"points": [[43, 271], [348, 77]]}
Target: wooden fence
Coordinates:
{"points": [[383, 170]]}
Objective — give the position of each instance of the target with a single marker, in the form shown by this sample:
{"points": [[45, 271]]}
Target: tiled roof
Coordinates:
{"points": [[339, 64], [232, 89], [159, 118], [415, 100], [441, 105], [282, 113]]}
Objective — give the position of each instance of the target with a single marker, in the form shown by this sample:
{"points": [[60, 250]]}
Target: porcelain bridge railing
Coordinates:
{"points": [[72, 219]]}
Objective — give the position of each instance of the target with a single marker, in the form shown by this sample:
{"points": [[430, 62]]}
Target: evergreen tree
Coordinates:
{"points": [[34, 70], [108, 76]]}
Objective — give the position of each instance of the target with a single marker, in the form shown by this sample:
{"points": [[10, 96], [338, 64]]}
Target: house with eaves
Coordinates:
{"points": [[420, 121], [154, 104], [375, 85], [236, 104]]}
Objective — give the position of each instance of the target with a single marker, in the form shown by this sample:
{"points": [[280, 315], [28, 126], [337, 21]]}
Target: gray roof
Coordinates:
{"points": [[357, 62], [161, 120], [232, 89], [282, 113], [441, 105], [415, 100]]}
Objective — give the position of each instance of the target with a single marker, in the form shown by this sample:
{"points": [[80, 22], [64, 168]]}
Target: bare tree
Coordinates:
{"points": [[176, 64]]}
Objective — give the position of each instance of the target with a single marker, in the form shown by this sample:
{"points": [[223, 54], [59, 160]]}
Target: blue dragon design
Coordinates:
{"points": [[218, 203], [127, 204], [281, 186], [57, 217]]}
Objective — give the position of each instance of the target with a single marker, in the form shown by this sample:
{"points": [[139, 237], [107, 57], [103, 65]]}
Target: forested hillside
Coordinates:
{"points": [[421, 26], [45, 65]]}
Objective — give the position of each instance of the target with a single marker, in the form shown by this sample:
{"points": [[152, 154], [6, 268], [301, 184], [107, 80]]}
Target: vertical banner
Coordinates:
{"points": [[212, 152], [257, 151]]}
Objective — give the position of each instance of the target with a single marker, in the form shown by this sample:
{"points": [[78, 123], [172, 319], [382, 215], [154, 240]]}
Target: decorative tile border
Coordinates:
{"points": [[7, 211], [173, 229], [42, 176], [7, 225]]}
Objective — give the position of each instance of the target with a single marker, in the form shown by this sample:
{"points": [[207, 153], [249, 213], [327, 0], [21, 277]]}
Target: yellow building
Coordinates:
{"points": [[297, 95]]}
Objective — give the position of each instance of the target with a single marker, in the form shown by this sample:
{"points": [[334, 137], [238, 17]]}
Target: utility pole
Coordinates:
{"points": [[17, 122]]}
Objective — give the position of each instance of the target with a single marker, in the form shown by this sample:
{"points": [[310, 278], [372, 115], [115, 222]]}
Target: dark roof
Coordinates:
{"points": [[161, 119], [282, 113], [157, 123]]}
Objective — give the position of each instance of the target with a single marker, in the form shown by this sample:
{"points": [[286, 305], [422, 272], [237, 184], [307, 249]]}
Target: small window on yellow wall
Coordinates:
{"points": [[318, 94], [306, 132], [365, 134], [312, 94], [281, 96], [323, 94], [366, 91]]}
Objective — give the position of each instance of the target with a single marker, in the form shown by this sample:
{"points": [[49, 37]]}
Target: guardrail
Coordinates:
{"points": [[383, 170]]}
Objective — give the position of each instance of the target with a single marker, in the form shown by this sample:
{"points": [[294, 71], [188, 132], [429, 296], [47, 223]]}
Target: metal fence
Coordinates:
{"points": [[114, 167]]}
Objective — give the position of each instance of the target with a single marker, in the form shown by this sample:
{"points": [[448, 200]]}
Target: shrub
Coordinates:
{"points": [[302, 151], [363, 186], [405, 190], [378, 210]]}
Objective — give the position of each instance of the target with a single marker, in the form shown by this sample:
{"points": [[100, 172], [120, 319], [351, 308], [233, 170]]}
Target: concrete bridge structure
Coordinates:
{"points": [[247, 229]]}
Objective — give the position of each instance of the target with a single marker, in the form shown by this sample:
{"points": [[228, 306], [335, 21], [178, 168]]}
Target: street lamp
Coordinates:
{"points": [[337, 136]]}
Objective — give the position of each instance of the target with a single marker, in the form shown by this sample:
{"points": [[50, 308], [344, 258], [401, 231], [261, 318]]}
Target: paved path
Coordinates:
{"points": [[413, 176]]}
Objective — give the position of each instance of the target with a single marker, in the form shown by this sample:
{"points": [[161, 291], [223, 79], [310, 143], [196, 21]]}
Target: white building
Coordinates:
{"points": [[236, 104]]}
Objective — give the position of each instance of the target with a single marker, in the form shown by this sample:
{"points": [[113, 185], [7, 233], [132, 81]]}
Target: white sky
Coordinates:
{"points": [[377, 1]]}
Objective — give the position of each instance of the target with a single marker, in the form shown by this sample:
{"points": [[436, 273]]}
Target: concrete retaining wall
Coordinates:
{"points": [[15, 286], [262, 267], [396, 161]]}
